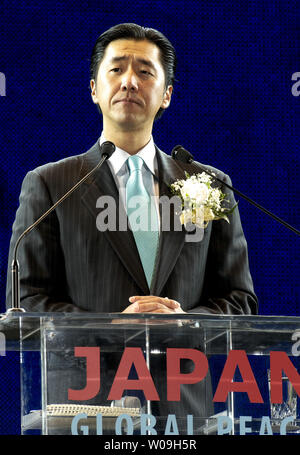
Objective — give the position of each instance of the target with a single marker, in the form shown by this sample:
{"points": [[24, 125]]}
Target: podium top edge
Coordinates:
{"points": [[152, 316]]}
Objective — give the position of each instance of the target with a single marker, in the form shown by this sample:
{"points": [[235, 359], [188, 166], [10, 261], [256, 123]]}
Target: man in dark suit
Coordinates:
{"points": [[68, 263]]}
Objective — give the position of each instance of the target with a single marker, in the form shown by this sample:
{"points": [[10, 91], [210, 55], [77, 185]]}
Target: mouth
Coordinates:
{"points": [[128, 101]]}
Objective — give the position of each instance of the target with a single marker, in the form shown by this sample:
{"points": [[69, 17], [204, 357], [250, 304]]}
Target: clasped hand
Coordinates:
{"points": [[152, 304]]}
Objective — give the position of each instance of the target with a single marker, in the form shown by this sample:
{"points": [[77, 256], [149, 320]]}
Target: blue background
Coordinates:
{"points": [[232, 107]]}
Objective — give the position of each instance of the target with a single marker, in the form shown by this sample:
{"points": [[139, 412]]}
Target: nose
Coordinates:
{"points": [[129, 81]]}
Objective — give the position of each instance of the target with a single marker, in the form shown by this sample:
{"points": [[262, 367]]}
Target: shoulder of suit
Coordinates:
{"points": [[71, 164]]}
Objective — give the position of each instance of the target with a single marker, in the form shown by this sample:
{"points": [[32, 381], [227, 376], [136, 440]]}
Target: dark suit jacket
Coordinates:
{"points": [[67, 264]]}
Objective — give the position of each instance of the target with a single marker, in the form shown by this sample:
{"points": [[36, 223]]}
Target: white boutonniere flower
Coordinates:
{"points": [[201, 203]]}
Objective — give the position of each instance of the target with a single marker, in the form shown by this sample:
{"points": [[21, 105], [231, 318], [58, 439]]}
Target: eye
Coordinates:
{"points": [[115, 70], [146, 72]]}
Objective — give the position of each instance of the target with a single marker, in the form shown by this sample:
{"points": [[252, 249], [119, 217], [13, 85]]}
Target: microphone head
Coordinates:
{"points": [[180, 154], [107, 149]]}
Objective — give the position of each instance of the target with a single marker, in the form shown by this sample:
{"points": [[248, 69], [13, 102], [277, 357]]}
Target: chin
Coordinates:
{"points": [[129, 123]]}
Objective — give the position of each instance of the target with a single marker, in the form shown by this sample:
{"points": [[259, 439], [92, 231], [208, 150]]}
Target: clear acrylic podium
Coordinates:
{"points": [[83, 373]]}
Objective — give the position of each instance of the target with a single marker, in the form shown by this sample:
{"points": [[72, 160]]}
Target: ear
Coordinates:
{"points": [[167, 97], [93, 91]]}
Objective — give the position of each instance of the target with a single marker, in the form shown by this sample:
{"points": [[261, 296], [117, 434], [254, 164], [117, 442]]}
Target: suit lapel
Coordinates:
{"points": [[171, 241], [102, 183]]}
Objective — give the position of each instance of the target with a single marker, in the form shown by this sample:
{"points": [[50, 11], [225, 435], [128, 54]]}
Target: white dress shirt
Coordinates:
{"points": [[119, 170]]}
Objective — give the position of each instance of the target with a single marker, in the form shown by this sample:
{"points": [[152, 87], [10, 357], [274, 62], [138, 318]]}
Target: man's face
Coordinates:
{"points": [[130, 85]]}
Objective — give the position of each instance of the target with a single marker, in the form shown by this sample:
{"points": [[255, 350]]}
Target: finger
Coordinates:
{"points": [[150, 307], [179, 310], [170, 303], [133, 308], [145, 298]]}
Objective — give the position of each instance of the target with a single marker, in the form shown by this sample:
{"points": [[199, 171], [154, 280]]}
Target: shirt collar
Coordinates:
{"points": [[119, 157]]}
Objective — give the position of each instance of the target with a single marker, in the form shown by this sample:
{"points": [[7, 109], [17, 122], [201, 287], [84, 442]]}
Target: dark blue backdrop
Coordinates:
{"points": [[233, 107]]}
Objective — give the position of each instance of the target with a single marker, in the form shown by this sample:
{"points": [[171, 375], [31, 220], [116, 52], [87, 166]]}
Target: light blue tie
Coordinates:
{"points": [[142, 216]]}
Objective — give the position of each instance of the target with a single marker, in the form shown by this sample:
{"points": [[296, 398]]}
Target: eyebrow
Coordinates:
{"points": [[140, 60]]}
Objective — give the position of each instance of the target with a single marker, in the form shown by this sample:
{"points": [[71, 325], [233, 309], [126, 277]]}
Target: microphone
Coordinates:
{"points": [[179, 153], [107, 149]]}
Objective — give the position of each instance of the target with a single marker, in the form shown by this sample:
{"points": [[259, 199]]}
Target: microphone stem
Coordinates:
{"points": [[15, 264]]}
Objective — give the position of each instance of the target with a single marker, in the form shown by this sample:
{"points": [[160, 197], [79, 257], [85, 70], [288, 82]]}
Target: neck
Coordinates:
{"points": [[130, 141]]}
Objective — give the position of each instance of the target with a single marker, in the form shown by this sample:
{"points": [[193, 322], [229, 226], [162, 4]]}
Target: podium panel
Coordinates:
{"points": [[157, 374]]}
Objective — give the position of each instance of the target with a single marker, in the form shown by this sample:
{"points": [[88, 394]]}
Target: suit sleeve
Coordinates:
{"points": [[41, 260], [228, 286]]}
